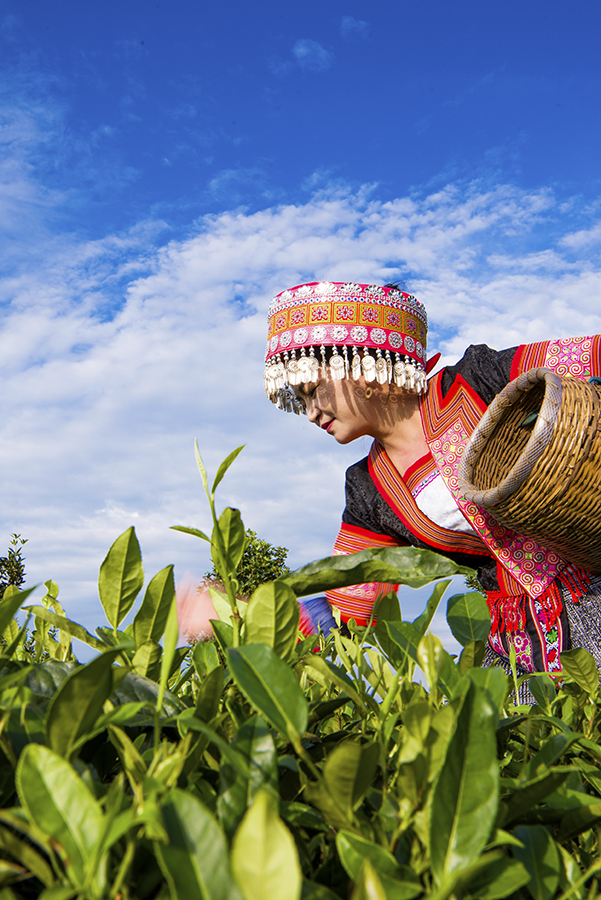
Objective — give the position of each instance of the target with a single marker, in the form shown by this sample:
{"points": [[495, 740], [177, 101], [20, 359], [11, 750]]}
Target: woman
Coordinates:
{"points": [[353, 357]]}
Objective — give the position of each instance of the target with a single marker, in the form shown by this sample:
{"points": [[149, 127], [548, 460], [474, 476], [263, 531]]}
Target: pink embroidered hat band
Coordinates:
{"points": [[354, 329]]}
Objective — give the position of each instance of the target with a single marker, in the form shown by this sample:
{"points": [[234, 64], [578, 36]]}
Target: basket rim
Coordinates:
{"points": [[533, 450]]}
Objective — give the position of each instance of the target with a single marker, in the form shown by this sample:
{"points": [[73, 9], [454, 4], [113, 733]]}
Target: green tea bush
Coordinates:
{"points": [[263, 767], [260, 562]]}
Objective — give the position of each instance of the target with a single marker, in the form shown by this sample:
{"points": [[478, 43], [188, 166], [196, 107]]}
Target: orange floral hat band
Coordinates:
{"points": [[353, 330]]}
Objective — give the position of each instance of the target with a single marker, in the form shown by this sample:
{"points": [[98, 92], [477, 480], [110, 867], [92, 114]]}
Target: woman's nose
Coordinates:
{"points": [[313, 411]]}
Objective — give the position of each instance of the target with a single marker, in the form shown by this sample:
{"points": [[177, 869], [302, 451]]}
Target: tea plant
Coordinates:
{"points": [[260, 562], [261, 766]]}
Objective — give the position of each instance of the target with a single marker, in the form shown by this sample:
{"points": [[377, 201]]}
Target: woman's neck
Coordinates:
{"points": [[404, 440]]}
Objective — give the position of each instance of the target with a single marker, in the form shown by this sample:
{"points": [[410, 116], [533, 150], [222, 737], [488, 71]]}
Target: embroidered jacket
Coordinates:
{"points": [[524, 581]]}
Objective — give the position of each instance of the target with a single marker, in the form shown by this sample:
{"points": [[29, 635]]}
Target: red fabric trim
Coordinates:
{"points": [[373, 538], [357, 601], [461, 402], [528, 356], [393, 489], [420, 470], [508, 584], [506, 613], [432, 362]]}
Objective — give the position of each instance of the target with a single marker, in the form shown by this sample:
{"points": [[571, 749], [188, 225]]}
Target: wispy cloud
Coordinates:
{"points": [[311, 55], [354, 28], [582, 239], [115, 353]]}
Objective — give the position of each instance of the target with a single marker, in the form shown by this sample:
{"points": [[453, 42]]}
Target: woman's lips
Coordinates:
{"points": [[328, 425]]}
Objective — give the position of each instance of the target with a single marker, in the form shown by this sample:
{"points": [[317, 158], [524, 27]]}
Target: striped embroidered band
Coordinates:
{"points": [[353, 330]]}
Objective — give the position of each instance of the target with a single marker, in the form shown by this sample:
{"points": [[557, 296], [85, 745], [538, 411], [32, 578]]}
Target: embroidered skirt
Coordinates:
{"points": [[580, 626]]}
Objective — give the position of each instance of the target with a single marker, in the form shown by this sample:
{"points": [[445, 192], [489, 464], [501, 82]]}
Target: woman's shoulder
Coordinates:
{"points": [[359, 483], [486, 370]]}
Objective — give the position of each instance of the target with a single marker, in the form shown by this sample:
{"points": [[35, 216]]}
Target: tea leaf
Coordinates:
{"points": [[57, 801], [146, 659], [233, 541], [580, 666], [540, 858], [579, 820], [552, 750], [430, 657], [272, 618], [72, 628], [195, 862], [472, 656], [136, 689], [271, 686], [201, 467], [78, 702], [121, 577], [399, 883], [369, 886], [392, 565], [224, 634], [195, 532], [522, 800], [12, 601], [406, 636], [389, 608], [336, 675], [495, 879], [26, 855], [544, 691], [468, 617], [264, 856], [209, 696], [422, 623], [254, 742], [347, 775], [169, 646], [494, 682], [225, 466], [151, 618], [204, 657], [465, 797]]}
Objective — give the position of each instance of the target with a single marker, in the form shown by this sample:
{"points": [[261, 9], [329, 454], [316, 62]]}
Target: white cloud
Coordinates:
{"points": [[586, 237], [311, 55], [351, 27], [114, 354]]}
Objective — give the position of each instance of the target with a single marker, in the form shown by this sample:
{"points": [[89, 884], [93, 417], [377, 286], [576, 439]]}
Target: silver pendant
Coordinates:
{"points": [[277, 376], [399, 374], [381, 370], [368, 364], [304, 370], [337, 367], [292, 372]]}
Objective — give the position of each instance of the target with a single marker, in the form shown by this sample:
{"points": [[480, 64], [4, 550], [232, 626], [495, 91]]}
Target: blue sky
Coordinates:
{"points": [[166, 169]]}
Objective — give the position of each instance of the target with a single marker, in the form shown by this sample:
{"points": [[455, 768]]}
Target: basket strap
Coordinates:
{"points": [[448, 424]]}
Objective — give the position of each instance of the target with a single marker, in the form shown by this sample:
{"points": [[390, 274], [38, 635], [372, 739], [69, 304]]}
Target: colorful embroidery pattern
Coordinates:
{"points": [[390, 311], [508, 615], [579, 357], [392, 487], [448, 424]]}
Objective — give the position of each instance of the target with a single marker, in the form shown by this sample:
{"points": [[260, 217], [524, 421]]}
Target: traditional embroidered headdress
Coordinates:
{"points": [[355, 329]]}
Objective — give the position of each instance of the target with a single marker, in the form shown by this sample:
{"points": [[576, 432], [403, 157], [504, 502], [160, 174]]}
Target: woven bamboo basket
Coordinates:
{"points": [[534, 462]]}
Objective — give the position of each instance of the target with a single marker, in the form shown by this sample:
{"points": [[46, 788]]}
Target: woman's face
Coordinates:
{"points": [[342, 409]]}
